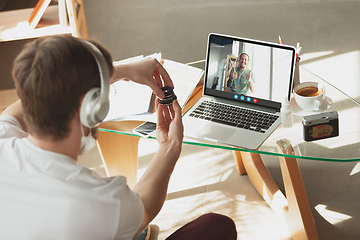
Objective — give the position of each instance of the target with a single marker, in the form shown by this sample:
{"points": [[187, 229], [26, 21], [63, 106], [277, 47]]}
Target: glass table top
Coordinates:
{"points": [[343, 148]]}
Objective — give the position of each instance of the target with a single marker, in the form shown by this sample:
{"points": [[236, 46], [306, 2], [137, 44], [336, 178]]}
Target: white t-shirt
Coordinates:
{"points": [[46, 195]]}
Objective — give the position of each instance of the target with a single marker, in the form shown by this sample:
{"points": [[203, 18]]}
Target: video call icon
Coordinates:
{"points": [[243, 98]]}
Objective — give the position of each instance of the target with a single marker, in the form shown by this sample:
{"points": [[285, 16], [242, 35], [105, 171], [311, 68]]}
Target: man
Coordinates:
{"points": [[44, 193], [244, 82]]}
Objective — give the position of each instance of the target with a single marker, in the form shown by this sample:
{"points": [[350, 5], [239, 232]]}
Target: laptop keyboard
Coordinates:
{"points": [[234, 116]]}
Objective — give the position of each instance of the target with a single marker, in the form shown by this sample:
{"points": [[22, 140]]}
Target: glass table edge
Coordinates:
{"points": [[332, 85], [258, 151], [241, 149]]}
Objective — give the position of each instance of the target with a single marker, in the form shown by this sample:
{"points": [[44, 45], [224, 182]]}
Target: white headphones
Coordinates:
{"points": [[95, 105]]}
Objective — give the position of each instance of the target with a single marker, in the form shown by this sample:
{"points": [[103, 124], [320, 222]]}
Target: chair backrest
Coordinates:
{"points": [[76, 13]]}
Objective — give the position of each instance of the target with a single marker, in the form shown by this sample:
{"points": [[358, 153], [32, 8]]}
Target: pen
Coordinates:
{"points": [[280, 40], [298, 49]]}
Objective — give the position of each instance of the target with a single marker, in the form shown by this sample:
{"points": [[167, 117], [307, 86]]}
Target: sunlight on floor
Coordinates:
{"points": [[331, 216], [206, 180], [356, 169]]}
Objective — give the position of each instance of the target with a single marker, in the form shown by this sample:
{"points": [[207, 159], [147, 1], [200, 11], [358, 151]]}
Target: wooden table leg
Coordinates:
{"points": [[294, 209], [239, 163], [119, 154], [263, 182], [299, 217]]}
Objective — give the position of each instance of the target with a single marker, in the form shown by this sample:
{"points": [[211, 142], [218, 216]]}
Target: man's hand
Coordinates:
{"points": [[251, 83], [169, 124], [152, 186], [147, 71], [234, 75], [248, 75]]}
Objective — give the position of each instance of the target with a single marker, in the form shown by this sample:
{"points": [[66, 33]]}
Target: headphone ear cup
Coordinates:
{"points": [[95, 105], [87, 111]]}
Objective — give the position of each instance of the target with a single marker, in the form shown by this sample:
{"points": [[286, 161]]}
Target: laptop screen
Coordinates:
{"points": [[249, 71]]}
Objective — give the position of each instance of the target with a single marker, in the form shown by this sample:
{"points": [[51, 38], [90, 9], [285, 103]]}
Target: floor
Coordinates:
{"points": [[205, 179]]}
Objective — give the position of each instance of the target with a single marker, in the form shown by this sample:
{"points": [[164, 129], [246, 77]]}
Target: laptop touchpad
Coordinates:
{"points": [[215, 132]]}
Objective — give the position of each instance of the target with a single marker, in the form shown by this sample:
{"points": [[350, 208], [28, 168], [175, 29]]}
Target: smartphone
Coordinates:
{"points": [[145, 129]]}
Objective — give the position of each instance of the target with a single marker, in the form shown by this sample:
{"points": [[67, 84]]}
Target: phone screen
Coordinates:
{"points": [[145, 129]]}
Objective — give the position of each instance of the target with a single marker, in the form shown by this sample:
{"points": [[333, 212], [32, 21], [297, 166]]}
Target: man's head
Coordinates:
{"points": [[51, 76], [243, 61]]}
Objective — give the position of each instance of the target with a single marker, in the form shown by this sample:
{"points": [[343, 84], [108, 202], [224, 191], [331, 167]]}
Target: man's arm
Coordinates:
{"points": [[252, 86], [147, 71], [249, 77], [152, 186], [16, 111]]}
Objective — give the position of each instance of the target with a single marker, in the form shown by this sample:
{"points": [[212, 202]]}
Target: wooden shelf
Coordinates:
{"points": [[14, 24]]}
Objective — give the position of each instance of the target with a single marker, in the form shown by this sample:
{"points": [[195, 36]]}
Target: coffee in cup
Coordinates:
{"points": [[309, 91], [309, 96]]}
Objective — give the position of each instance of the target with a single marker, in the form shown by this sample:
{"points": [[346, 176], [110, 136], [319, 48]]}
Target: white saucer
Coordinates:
{"points": [[325, 106]]}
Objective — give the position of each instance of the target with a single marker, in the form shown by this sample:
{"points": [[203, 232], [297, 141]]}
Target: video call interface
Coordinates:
{"points": [[249, 71]]}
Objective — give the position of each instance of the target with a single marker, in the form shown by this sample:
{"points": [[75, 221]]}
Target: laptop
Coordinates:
{"points": [[245, 82]]}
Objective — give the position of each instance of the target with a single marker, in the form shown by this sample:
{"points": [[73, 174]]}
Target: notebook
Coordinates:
{"points": [[245, 82]]}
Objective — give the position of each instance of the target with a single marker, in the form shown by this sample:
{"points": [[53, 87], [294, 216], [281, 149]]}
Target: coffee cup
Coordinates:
{"points": [[309, 96]]}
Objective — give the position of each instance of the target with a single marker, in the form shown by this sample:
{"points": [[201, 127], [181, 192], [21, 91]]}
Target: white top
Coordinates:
{"points": [[46, 195]]}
